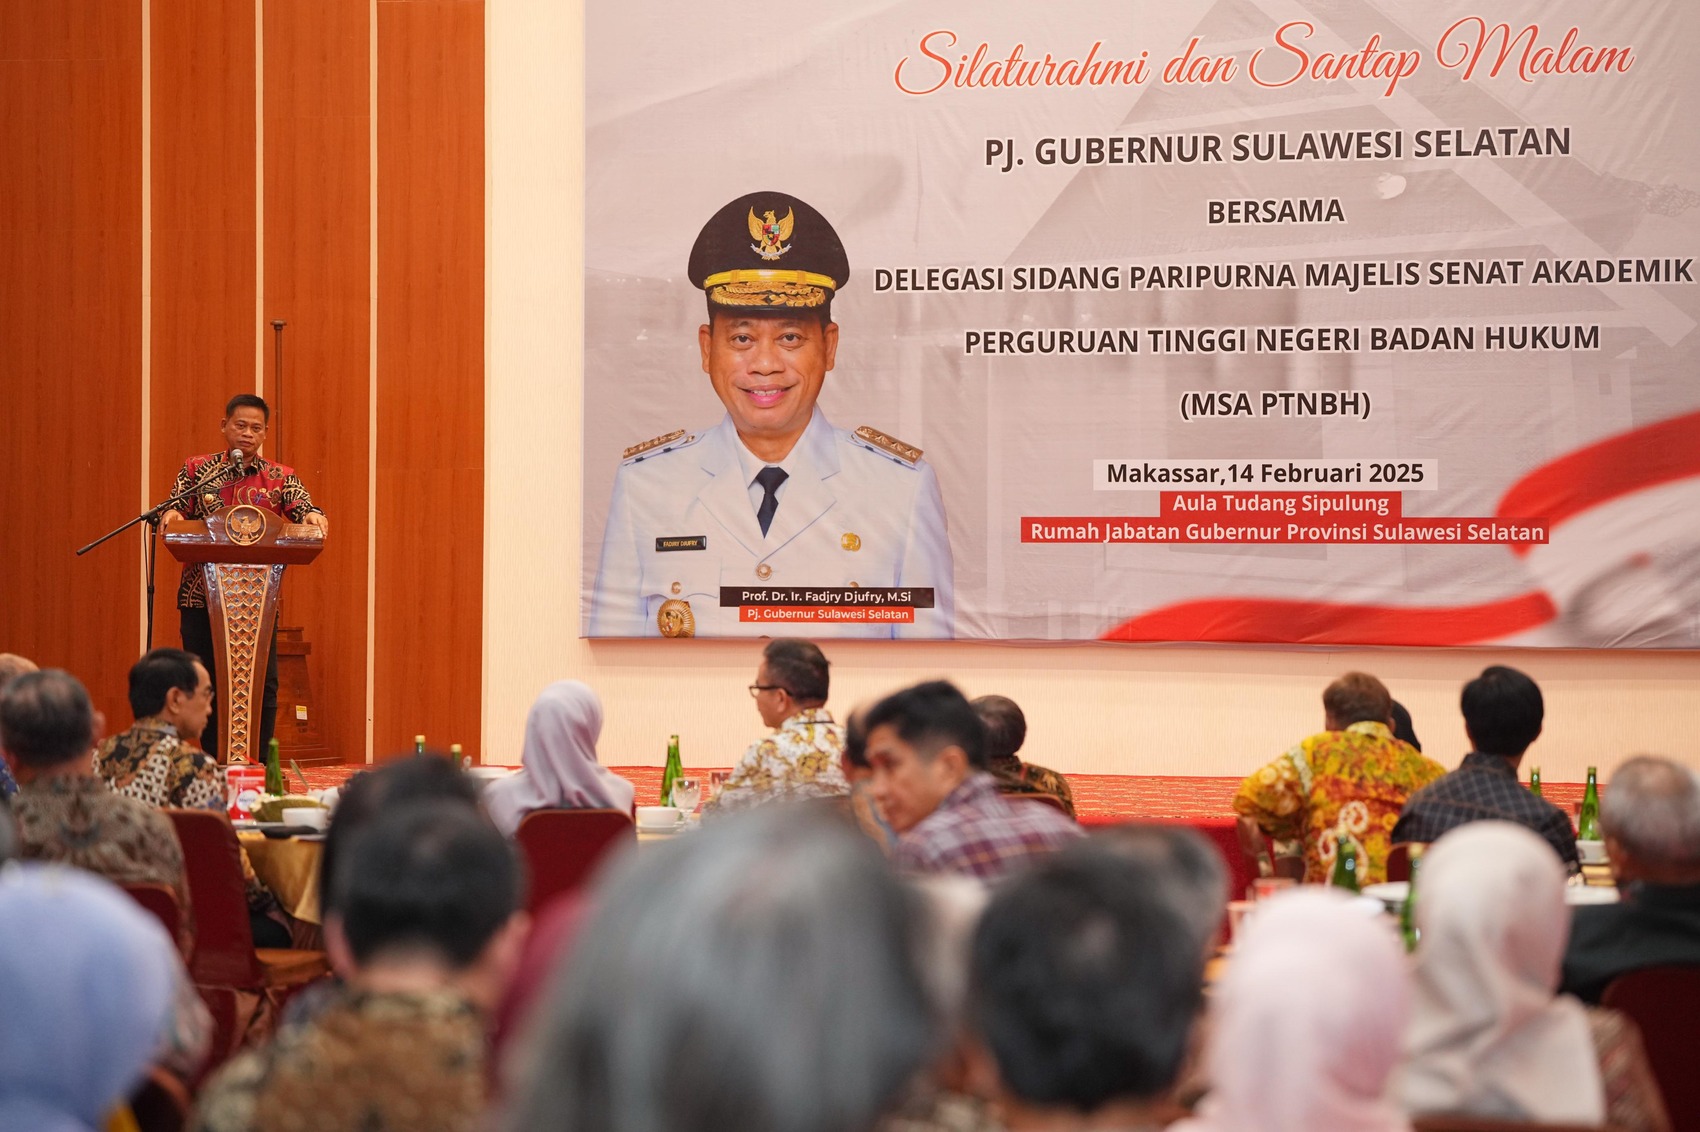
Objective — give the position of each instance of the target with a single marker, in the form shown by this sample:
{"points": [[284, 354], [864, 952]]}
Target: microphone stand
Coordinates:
{"points": [[152, 517]]}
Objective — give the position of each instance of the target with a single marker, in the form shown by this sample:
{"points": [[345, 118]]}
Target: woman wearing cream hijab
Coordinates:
{"points": [[558, 767], [1306, 1024], [1488, 1036]]}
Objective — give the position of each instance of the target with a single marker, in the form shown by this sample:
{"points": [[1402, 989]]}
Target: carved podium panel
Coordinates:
{"points": [[242, 552]]}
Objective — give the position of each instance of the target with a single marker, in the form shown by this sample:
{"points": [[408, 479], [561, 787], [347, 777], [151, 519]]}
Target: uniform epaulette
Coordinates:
{"points": [[876, 441], [666, 442]]}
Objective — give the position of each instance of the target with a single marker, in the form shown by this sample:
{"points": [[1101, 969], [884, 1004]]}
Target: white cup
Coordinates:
{"points": [[658, 819], [1591, 852], [313, 817]]}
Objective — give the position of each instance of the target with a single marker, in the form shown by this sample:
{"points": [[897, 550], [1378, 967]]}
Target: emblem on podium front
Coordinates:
{"points": [[246, 525]]}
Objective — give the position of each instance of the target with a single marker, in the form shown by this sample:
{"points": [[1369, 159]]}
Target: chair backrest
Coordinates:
{"points": [[563, 847], [160, 902], [1399, 862], [1664, 1002], [224, 941]]}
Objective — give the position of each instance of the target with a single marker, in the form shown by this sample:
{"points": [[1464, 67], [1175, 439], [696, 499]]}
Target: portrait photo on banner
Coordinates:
{"points": [[1143, 321]]}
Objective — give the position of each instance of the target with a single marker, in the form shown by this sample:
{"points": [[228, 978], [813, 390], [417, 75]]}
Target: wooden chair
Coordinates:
{"points": [[1664, 1002], [161, 903], [562, 848], [244, 987]]}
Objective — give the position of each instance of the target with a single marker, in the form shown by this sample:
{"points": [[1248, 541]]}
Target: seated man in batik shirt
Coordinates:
{"points": [[171, 696], [1006, 730], [1350, 780], [801, 759], [426, 932]]}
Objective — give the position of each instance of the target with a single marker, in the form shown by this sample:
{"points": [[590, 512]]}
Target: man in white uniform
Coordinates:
{"points": [[848, 525]]}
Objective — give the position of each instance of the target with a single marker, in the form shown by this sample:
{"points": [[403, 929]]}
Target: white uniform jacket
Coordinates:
{"points": [[851, 514]]}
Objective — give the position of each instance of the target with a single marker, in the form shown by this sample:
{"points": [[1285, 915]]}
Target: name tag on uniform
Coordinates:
{"points": [[682, 542]]}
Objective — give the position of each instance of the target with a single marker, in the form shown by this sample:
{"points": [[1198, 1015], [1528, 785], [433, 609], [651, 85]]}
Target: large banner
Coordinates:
{"points": [[1336, 322]]}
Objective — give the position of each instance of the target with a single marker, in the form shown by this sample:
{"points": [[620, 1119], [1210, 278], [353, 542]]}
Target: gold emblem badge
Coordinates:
{"points": [[675, 619], [770, 233], [851, 541], [245, 525], [764, 571]]}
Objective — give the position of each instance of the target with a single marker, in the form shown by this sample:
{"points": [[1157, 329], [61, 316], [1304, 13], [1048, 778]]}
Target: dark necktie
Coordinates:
{"points": [[770, 478]]}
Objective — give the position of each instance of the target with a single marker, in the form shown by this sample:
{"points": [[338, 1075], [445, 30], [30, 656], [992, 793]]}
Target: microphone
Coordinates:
{"points": [[236, 458]]}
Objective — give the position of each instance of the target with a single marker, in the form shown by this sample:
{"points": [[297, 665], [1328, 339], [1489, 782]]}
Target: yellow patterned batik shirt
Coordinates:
{"points": [[800, 760], [1356, 780]]}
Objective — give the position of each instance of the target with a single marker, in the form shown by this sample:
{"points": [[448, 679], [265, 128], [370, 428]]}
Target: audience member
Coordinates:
{"points": [[1651, 821], [1502, 716], [1488, 1036], [88, 982], [1085, 981], [1306, 1023], [1403, 729], [558, 767], [763, 977], [425, 934], [67, 813], [1188, 858], [927, 748], [8, 833], [859, 774], [801, 759], [170, 695], [1006, 730], [1349, 780], [11, 665]]}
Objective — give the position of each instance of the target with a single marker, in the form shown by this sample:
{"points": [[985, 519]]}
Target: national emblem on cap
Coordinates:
{"points": [[768, 251]]}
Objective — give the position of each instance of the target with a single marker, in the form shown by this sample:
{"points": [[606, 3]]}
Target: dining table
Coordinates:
{"points": [[289, 867]]}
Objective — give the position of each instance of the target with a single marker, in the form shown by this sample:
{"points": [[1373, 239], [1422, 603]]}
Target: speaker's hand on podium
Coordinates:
{"points": [[170, 517], [317, 519]]}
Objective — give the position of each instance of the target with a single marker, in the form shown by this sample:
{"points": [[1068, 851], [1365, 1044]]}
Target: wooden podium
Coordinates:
{"points": [[242, 552]]}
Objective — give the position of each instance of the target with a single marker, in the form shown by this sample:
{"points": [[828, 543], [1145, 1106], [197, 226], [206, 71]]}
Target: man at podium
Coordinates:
{"points": [[207, 485]]}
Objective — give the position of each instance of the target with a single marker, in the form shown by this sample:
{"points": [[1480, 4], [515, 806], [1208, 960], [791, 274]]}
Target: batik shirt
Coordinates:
{"points": [[1018, 778], [365, 1062], [81, 821], [977, 832], [272, 487], [800, 760], [151, 764], [1356, 780]]}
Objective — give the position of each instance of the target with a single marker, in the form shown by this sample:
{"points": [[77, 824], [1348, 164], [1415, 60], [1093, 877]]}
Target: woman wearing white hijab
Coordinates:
{"points": [[1489, 1037], [86, 991], [558, 763], [1305, 1025]]}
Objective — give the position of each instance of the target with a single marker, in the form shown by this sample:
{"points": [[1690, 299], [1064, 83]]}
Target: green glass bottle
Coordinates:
{"points": [[1408, 910], [419, 744], [1535, 781], [671, 771], [1588, 822], [458, 757], [1345, 863], [274, 770]]}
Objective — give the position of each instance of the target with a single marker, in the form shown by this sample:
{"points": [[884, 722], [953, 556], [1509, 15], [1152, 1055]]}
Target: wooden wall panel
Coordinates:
{"points": [[70, 361], [429, 637], [317, 270], [202, 264]]}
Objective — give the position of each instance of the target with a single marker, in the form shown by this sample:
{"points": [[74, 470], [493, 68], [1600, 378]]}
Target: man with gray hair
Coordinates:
{"points": [[1651, 819]]}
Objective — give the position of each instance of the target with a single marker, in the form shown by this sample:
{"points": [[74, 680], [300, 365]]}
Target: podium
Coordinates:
{"points": [[242, 552]]}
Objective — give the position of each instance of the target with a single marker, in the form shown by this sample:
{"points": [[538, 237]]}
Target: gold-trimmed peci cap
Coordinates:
{"points": [[770, 252]]}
